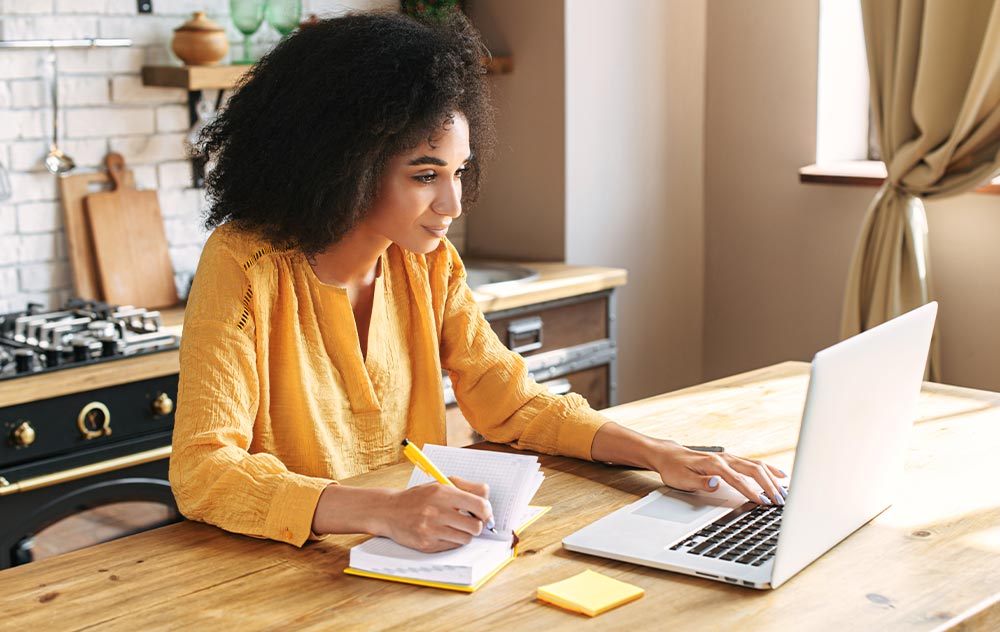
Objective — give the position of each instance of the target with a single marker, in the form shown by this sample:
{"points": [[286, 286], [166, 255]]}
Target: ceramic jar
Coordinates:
{"points": [[200, 41]]}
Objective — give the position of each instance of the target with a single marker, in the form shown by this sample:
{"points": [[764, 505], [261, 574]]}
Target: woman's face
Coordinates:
{"points": [[421, 190]]}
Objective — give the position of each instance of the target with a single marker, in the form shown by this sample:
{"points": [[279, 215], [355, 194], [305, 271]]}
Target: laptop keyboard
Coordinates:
{"points": [[744, 538]]}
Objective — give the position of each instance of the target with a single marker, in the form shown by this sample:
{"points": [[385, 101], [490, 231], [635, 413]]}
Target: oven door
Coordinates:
{"points": [[77, 507]]}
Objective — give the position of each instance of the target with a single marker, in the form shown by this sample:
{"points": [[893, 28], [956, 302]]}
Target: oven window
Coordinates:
{"points": [[99, 524]]}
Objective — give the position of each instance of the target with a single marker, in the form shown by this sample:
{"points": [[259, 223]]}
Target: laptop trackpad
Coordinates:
{"points": [[682, 508]]}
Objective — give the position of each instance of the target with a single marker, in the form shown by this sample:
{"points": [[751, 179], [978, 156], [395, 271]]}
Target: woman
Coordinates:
{"points": [[328, 300]]}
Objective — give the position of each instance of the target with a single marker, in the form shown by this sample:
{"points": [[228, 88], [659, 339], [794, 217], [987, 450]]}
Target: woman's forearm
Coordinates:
{"points": [[619, 445], [346, 509]]}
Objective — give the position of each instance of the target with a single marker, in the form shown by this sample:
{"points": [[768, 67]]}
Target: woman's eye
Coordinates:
{"points": [[461, 173], [426, 178]]}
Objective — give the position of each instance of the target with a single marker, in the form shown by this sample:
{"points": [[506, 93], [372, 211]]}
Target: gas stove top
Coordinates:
{"points": [[79, 334]]}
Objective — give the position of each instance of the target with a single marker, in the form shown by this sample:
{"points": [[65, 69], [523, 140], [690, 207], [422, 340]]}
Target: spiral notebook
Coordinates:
{"points": [[513, 480]]}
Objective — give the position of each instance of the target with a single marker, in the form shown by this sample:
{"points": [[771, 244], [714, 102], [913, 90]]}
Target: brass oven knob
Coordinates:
{"points": [[24, 435], [162, 405], [94, 420]]}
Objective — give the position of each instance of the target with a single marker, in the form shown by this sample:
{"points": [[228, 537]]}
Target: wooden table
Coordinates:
{"points": [[932, 561]]}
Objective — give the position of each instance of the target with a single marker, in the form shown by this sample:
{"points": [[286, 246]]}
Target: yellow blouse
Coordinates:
{"points": [[276, 401]]}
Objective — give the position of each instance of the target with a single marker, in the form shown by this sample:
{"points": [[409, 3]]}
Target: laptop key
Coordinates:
{"points": [[704, 546]]}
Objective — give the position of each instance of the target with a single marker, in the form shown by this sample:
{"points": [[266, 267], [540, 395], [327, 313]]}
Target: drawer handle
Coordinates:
{"points": [[525, 334]]}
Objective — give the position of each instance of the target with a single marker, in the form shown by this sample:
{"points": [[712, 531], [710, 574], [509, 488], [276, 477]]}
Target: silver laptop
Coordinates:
{"points": [[852, 444]]}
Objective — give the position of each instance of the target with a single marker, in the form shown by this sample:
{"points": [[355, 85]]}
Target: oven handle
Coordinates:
{"points": [[7, 488]]}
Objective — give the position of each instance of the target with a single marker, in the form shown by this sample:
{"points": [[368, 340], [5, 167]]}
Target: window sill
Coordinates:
{"points": [[862, 173]]}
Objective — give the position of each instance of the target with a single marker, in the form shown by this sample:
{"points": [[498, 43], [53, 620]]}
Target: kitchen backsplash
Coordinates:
{"points": [[103, 107]]}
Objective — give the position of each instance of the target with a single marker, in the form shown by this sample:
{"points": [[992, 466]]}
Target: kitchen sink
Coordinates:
{"points": [[485, 275]]}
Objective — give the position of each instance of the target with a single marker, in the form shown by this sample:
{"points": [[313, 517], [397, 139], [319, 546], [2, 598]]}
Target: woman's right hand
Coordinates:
{"points": [[428, 517], [434, 517]]}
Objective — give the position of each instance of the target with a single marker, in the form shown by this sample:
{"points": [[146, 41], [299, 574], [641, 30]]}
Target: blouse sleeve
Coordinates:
{"points": [[493, 389], [215, 479]]}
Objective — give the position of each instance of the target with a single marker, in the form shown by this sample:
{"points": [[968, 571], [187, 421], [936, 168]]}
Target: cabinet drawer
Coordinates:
{"points": [[556, 327], [592, 384]]}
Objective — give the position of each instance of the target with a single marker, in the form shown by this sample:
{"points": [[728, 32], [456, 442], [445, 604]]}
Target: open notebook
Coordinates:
{"points": [[513, 480]]}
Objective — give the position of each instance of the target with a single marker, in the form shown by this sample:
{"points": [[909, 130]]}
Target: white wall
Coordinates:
{"points": [[634, 171], [521, 210], [601, 162], [777, 251]]}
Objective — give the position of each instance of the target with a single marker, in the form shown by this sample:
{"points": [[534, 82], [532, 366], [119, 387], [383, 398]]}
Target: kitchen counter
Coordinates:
{"points": [[556, 281]]}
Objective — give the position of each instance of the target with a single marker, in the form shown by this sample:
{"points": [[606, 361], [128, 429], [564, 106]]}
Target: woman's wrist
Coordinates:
{"points": [[346, 509], [616, 444]]}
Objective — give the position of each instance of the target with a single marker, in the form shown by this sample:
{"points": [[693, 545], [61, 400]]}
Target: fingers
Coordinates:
{"points": [[761, 474], [435, 517], [747, 476], [478, 504]]}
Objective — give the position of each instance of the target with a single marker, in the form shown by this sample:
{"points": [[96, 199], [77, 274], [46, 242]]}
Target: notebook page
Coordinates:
{"points": [[464, 565], [511, 478]]}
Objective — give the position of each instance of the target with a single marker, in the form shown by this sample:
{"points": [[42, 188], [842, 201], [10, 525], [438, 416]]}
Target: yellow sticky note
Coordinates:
{"points": [[590, 593]]}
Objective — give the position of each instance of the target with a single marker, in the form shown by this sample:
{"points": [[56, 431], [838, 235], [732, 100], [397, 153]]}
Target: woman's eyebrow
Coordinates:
{"points": [[427, 160], [431, 160]]}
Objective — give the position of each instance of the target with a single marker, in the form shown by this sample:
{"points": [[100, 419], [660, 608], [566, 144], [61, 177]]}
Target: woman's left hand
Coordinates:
{"points": [[690, 470]]}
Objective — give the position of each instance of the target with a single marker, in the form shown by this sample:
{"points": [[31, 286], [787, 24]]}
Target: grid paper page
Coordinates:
{"points": [[513, 479]]}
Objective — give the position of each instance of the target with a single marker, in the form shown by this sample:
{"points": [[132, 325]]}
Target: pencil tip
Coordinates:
{"points": [[405, 442]]}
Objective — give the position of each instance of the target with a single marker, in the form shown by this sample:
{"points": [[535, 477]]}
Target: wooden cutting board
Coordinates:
{"points": [[130, 245], [73, 189]]}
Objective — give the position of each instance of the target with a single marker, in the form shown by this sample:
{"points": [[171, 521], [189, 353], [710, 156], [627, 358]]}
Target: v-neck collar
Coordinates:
{"points": [[339, 331]]}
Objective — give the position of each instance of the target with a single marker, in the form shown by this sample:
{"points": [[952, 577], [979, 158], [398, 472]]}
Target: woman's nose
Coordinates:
{"points": [[449, 200]]}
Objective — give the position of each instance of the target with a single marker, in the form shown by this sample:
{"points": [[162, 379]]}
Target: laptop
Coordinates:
{"points": [[849, 460]]}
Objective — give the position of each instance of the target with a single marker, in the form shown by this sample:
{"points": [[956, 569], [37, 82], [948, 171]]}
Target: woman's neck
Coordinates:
{"points": [[352, 261]]}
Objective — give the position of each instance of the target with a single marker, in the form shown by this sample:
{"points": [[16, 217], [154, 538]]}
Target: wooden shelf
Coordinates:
{"points": [[193, 78], [863, 173]]}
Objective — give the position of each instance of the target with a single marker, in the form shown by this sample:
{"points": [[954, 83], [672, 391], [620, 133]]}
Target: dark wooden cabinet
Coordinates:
{"points": [[568, 344]]}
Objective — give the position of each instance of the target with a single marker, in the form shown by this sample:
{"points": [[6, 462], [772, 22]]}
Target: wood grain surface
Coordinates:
{"points": [[79, 243], [130, 245], [930, 562]]}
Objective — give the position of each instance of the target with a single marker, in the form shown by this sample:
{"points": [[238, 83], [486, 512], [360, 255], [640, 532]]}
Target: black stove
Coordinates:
{"points": [[66, 452], [82, 332]]}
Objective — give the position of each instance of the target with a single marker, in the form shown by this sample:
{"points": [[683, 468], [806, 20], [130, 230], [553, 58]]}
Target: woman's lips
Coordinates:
{"points": [[437, 231]]}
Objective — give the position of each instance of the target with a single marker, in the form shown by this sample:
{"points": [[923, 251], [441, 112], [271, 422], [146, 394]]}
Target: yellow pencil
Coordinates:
{"points": [[418, 458]]}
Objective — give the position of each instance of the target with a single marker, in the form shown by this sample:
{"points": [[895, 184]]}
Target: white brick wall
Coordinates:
{"points": [[39, 217], [8, 220], [25, 7], [105, 108], [105, 122], [150, 149]]}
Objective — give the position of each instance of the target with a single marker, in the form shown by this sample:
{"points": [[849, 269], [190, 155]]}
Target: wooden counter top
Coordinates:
{"points": [[930, 562], [556, 281]]}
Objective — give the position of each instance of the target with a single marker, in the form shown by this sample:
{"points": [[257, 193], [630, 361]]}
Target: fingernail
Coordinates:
{"points": [[779, 499], [783, 491], [713, 482], [782, 472], [764, 499]]}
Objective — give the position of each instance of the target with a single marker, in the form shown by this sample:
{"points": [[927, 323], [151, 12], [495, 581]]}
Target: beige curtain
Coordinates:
{"points": [[935, 99]]}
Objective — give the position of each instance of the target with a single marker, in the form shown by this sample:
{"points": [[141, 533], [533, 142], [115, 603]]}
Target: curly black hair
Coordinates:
{"points": [[301, 146]]}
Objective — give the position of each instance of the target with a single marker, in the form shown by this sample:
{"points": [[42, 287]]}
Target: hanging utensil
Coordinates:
{"points": [[56, 161], [5, 191]]}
